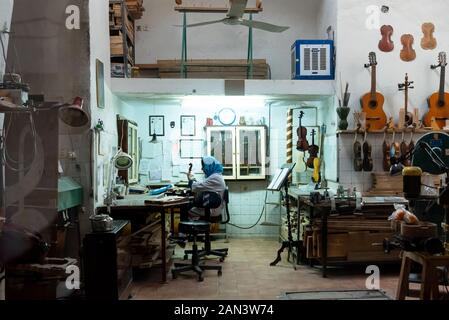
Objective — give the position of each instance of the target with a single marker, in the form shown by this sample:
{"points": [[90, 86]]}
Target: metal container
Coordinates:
{"points": [[101, 223]]}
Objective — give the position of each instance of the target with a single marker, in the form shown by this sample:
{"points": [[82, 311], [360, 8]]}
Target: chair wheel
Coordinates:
{"points": [[200, 278], [220, 273], [222, 259]]}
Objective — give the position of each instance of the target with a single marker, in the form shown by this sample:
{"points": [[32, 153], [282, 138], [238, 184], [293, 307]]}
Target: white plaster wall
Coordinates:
{"points": [[327, 16], [99, 49], [6, 7], [356, 41], [163, 40]]}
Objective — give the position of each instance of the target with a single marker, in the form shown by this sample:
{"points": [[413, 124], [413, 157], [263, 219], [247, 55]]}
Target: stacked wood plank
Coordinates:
{"points": [[116, 43], [213, 69], [135, 8]]}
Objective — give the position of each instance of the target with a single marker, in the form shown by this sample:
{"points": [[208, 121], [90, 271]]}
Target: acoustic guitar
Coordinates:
{"points": [[408, 117], [372, 102], [439, 101]]}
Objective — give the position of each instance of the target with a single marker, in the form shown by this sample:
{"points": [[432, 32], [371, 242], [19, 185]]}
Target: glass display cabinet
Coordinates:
{"points": [[241, 150]]}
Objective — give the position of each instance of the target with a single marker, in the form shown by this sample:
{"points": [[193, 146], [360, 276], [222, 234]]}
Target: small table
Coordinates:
{"points": [[133, 204], [429, 282]]}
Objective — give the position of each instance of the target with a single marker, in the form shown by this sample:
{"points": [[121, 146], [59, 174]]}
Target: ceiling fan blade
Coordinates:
{"points": [[264, 26], [202, 23], [237, 9]]}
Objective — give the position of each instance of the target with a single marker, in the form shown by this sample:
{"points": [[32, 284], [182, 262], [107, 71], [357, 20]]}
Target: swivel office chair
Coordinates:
{"points": [[207, 200], [207, 250]]}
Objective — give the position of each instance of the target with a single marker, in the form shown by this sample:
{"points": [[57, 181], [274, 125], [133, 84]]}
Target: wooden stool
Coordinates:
{"points": [[429, 280]]}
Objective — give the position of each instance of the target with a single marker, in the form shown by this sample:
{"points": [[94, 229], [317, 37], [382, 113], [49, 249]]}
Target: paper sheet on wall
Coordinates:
{"points": [[155, 170], [144, 166], [152, 150], [175, 171]]}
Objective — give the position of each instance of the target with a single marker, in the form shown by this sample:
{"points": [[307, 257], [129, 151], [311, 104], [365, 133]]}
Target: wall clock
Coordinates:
{"points": [[227, 116]]}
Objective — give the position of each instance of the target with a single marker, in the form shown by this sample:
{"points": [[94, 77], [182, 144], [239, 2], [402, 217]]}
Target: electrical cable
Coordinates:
{"points": [[258, 220], [7, 159]]}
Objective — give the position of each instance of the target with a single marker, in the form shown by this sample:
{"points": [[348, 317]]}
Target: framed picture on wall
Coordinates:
{"points": [[100, 84], [188, 126], [191, 148], [157, 126]]}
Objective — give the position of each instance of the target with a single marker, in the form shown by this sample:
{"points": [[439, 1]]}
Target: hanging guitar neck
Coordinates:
{"points": [[408, 117]]}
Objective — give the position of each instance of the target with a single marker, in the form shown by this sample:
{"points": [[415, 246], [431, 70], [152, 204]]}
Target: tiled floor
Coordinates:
{"points": [[248, 276]]}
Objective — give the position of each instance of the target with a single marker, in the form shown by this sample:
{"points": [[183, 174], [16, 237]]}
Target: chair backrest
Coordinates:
{"points": [[208, 200], [226, 201]]}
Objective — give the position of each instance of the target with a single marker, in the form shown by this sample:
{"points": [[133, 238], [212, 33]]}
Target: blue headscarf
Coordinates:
{"points": [[211, 166]]}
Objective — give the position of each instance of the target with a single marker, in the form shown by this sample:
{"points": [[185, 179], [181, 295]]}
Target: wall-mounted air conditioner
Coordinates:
{"points": [[313, 60]]}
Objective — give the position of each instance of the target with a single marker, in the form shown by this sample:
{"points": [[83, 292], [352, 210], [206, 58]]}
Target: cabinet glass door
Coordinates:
{"points": [[220, 144], [251, 151], [133, 152]]}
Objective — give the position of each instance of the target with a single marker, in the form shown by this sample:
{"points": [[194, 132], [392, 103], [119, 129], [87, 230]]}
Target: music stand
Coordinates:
{"points": [[281, 181]]}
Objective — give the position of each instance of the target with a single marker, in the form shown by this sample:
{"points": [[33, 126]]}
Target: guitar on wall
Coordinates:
{"points": [[439, 101], [372, 102]]}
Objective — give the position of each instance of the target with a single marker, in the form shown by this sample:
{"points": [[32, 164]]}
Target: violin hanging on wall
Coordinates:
{"points": [[428, 42], [313, 151], [372, 102], [408, 53], [386, 44], [302, 144], [439, 101]]}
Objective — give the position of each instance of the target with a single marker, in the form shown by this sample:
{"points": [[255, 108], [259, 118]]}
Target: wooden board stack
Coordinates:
{"points": [[135, 8], [213, 69]]}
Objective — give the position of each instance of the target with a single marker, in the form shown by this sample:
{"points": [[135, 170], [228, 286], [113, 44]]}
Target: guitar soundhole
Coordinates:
{"points": [[441, 103], [373, 104]]}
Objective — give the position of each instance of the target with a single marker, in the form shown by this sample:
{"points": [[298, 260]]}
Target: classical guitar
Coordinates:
{"points": [[313, 151], [386, 44], [408, 53], [408, 117], [439, 101], [372, 102], [428, 42]]}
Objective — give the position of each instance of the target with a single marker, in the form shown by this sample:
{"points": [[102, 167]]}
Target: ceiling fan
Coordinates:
{"points": [[235, 17]]}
